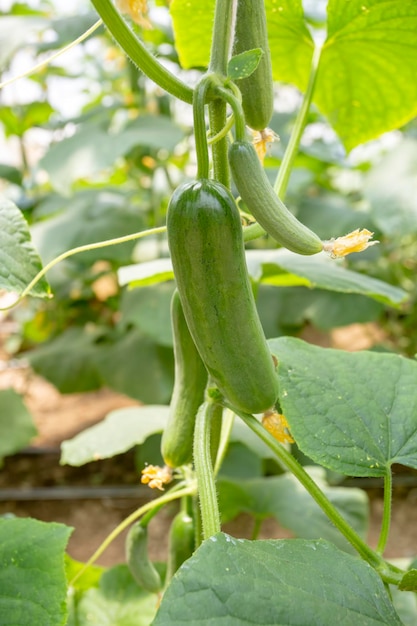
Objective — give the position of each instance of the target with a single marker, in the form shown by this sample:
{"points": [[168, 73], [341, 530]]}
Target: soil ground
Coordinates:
{"points": [[61, 417]]}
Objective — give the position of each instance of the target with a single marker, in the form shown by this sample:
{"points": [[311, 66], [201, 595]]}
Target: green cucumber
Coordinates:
{"points": [[188, 394], [140, 566], [260, 198], [181, 543], [258, 88], [208, 257]]}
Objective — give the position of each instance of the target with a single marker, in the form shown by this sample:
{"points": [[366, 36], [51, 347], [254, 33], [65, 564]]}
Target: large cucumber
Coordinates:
{"points": [[188, 394], [260, 198], [207, 251], [258, 88]]}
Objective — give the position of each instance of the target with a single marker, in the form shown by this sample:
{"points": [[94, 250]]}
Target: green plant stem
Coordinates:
{"points": [[212, 139], [287, 164], [85, 248], [221, 42], [179, 491], [387, 572], [200, 94], [215, 432], [220, 50], [209, 507], [256, 528], [139, 54], [386, 518], [237, 109]]}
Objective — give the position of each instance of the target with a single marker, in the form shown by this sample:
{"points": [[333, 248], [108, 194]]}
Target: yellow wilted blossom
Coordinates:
{"points": [[356, 241], [277, 426], [262, 140], [136, 9], [156, 476]]}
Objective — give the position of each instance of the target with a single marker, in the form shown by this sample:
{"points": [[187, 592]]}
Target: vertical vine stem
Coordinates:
{"points": [[388, 572], [199, 100], [284, 173], [210, 515], [220, 50], [386, 518]]}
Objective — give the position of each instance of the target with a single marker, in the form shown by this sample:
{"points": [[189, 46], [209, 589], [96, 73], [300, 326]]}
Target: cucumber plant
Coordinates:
{"points": [[351, 414]]}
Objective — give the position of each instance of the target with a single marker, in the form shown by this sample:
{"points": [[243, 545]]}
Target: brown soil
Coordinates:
{"points": [[61, 417]]}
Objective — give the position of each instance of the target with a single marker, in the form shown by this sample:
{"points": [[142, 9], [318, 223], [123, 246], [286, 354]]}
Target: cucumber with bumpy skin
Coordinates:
{"points": [[188, 394], [257, 89], [207, 251], [140, 566], [260, 198]]}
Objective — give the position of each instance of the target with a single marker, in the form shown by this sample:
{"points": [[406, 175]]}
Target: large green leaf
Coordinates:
{"points": [[32, 573], [284, 268], [290, 42], [281, 582], [191, 20], [118, 601], [120, 431], [355, 413], [283, 498], [19, 261], [16, 424], [367, 80]]}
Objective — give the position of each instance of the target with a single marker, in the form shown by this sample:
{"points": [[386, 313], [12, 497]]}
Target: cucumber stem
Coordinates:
{"points": [[139, 54], [386, 519], [200, 94]]}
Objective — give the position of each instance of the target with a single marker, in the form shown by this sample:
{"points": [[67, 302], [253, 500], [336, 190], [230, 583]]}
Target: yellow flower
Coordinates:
{"points": [[356, 241], [262, 140], [136, 9], [156, 476], [277, 426]]}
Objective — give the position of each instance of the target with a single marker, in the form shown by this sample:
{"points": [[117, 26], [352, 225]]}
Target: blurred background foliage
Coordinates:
{"points": [[92, 150]]}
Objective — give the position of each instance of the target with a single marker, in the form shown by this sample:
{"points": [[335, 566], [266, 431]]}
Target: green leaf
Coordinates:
{"points": [[293, 582], [70, 360], [10, 173], [291, 505], [90, 577], [17, 428], [244, 64], [32, 573], [366, 82], [120, 431], [118, 601], [405, 603], [190, 20], [290, 42], [148, 309], [19, 261], [284, 268], [409, 581], [354, 413], [149, 273]]}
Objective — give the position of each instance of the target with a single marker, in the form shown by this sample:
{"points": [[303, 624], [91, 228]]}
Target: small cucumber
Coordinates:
{"points": [[258, 88], [260, 198], [181, 542], [188, 394], [140, 566], [207, 252]]}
